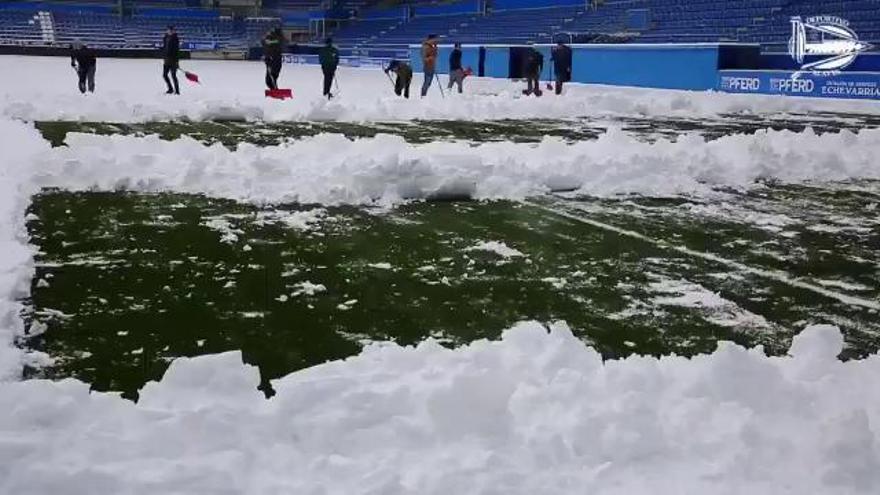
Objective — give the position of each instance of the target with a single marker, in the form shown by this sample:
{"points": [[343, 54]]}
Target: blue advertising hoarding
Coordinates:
{"points": [[856, 85]]}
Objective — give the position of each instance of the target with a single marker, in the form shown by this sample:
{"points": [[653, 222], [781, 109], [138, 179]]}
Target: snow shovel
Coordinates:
{"points": [[440, 85], [278, 93], [393, 84], [191, 77]]}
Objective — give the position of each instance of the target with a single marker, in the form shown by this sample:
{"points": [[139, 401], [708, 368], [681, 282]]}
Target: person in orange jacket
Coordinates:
{"points": [[429, 61]]}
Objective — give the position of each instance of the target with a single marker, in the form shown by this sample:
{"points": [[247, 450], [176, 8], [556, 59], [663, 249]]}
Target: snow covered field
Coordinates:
{"points": [[534, 412], [132, 91]]}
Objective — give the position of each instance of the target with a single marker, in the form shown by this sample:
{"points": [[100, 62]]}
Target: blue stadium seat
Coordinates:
{"points": [[20, 27], [669, 21], [362, 23]]}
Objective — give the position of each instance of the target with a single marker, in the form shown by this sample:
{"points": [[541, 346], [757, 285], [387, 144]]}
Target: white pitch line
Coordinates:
{"points": [[776, 275]]}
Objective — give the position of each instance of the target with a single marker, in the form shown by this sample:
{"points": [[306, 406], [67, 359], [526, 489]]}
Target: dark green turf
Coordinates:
{"points": [[127, 282], [231, 133]]}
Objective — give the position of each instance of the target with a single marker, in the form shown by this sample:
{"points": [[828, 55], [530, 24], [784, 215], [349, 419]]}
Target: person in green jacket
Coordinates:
{"points": [[273, 53], [404, 77], [329, 58]]}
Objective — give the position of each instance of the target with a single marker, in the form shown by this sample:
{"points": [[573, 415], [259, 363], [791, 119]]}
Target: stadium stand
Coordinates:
{"points": [[755, 21], [106, 3], [101, 24], [366, 32], [517, 25], [20, 27], [256, 27], [362, 23], [98, 28], [647, 21], [160, 3], [297, 4]]}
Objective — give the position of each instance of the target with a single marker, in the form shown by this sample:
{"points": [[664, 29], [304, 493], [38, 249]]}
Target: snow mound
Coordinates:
{"points": [[331, 169], [307, 288], [497, 247], [21, 145], [536, 412]]}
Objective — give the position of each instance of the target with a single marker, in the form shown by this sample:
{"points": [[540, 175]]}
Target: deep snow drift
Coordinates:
{"points": [[21, 145], [332, 169], [533, 413], [132, 90]]}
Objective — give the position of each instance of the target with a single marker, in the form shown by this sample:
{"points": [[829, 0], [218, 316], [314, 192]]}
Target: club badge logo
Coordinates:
{"points": [[828, 37]]}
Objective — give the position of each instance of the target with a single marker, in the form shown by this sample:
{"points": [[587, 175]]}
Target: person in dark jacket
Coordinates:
{"points": [[273, 49], [532, 67], [456, 71], [171, 60], [83, 59], [404, 76], [561, 57], [329, 58]]}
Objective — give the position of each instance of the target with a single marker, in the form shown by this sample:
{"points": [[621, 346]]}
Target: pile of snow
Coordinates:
{"points": [[298, 220], [497, 247], [21, 145], [225, 224], [222, 225], [381, 266], [131, 90], [308, 289], [535, 412], [332, 169]]}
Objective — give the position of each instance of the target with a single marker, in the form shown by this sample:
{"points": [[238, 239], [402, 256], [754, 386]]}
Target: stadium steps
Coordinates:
{"points": [[47, 26]]}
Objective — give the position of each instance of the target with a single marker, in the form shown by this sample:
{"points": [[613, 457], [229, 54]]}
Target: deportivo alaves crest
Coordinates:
{"points": [[829, 37]]}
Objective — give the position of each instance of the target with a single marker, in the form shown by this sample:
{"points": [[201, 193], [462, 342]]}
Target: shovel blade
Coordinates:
{"points": [[279, 94]]}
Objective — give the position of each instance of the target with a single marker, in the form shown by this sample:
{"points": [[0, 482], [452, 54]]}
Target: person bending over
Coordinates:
{"points": [[404, 77]]}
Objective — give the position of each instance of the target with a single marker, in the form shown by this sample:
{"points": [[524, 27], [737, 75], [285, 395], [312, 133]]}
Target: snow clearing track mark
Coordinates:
{"points": [[776, 275]]}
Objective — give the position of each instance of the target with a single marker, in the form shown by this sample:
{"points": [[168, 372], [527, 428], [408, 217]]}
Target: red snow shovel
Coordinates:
{"points": [[279, 94], [192, 76]]}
